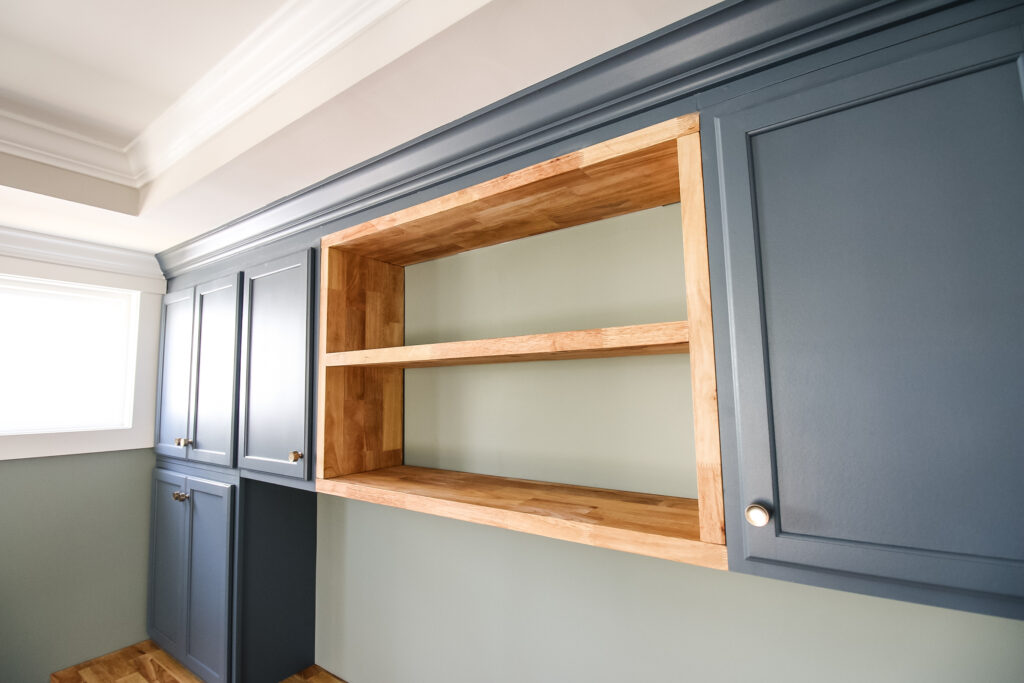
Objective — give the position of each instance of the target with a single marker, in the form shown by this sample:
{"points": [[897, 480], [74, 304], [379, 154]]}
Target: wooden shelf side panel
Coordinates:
{"points": [[359, 417], [646, 524], [630, 173], [702, 342], [632, 340]]}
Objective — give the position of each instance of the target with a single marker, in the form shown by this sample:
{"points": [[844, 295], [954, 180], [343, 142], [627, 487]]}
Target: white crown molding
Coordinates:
{"points": [[31, 139], [295, 37], [64, 251]]}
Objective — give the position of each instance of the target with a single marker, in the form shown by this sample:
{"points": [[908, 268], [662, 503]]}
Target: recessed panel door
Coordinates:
{"points": [[276, 374], [175, 375], [215, 371], [168, 562]]}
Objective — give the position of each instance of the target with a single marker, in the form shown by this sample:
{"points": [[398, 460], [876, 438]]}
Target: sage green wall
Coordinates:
{"points": [[74, 539], [409, 598]]}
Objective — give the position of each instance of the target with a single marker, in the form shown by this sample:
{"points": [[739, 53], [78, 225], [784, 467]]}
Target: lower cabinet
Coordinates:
{"points": [[190, 571]]}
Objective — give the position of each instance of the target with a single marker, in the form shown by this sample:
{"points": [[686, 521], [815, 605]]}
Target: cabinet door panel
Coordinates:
{"points": [[209, 596], [215, 371], [175, 373], [872, 253], [276, 369], [168, 563]]}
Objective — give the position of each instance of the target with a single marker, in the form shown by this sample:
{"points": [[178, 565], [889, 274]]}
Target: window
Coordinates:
{"points": [[67, 356]]}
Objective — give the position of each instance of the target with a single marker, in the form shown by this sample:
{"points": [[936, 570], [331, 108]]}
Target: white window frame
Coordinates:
{"points": [[49, 258]]}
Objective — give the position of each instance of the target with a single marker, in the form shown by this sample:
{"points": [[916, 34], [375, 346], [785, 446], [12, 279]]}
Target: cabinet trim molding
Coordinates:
{"points": [[630, 80]]}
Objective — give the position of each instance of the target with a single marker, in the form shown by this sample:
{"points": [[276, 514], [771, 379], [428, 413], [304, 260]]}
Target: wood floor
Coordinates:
{"points": [[146, 663]]}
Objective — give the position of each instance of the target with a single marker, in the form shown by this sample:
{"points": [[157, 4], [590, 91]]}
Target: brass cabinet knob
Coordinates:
{"points": [[757, 515], [179, 495], [182, 442], [294, 456]]}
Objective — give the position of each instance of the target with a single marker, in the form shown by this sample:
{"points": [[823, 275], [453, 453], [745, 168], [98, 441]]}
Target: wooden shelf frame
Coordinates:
{"points": [[362, 356]]}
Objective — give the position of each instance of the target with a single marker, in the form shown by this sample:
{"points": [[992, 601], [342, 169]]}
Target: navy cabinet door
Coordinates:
{"points": [[214, 396], [276, 375], [208, 603], [168, 568], [869, 312], [175, 374]]}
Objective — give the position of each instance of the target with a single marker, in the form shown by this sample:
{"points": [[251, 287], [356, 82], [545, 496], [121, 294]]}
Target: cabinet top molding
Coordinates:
{"points": [[625, 174], [689, 57]]}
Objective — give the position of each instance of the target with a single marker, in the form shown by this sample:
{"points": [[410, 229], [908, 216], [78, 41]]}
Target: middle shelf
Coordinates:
{"points": [[603, 342]]}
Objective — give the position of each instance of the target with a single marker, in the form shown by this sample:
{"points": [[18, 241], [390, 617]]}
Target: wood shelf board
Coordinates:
{"points": [[630, 340], [643, 523], [626, 174]]}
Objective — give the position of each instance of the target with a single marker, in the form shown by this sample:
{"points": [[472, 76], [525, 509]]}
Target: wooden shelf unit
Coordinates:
{"points": [[362, 356]]}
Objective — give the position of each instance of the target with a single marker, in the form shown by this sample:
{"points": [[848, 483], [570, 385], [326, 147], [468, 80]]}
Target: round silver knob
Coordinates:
{"points": [[757, 515]]}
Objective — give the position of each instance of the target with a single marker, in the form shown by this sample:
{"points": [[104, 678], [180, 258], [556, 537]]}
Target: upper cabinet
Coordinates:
{"points": [[867, 279], [199, 373], [276, 402]]}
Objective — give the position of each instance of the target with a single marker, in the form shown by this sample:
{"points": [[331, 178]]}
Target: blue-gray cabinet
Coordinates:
{"points": [[275, 415], [190, 571], [866, 238], [197, 398], [175, 373]]}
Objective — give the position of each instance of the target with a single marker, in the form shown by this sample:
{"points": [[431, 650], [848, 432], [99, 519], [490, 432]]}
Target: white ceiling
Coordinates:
{"points": [[109, 67], [141, 125]]}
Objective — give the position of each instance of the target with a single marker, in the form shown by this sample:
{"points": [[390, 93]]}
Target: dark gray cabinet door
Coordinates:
{"points": [[275, 395], [869, 309], [168, 562], [214, 396], [207, 643], [175, 374]]}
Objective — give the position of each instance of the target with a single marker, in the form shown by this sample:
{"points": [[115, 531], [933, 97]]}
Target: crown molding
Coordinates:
{"points": [[295, 37], [64, 251], [32, 139], [299, 34], [688, 59]]}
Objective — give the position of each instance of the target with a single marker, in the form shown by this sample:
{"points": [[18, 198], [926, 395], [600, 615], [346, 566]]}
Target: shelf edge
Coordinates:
{"points": [[629, 340]]}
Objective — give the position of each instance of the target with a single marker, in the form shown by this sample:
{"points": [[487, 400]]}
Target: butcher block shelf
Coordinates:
{"points": [[603, 342], [642, 523], [362, 355]]}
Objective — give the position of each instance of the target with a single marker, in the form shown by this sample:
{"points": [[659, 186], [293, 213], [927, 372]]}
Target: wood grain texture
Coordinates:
{"points": [[362, 306], [313, 674], [631, 340], [143, 662], [626, 174], [702, 342], [361, 360], [642, 523]]}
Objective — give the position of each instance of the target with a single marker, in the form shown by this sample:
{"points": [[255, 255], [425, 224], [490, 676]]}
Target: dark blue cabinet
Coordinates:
{"points": [[866, 242], [175, 374], [276, 399], [168, 559], [190, 571], [197, 398]]}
